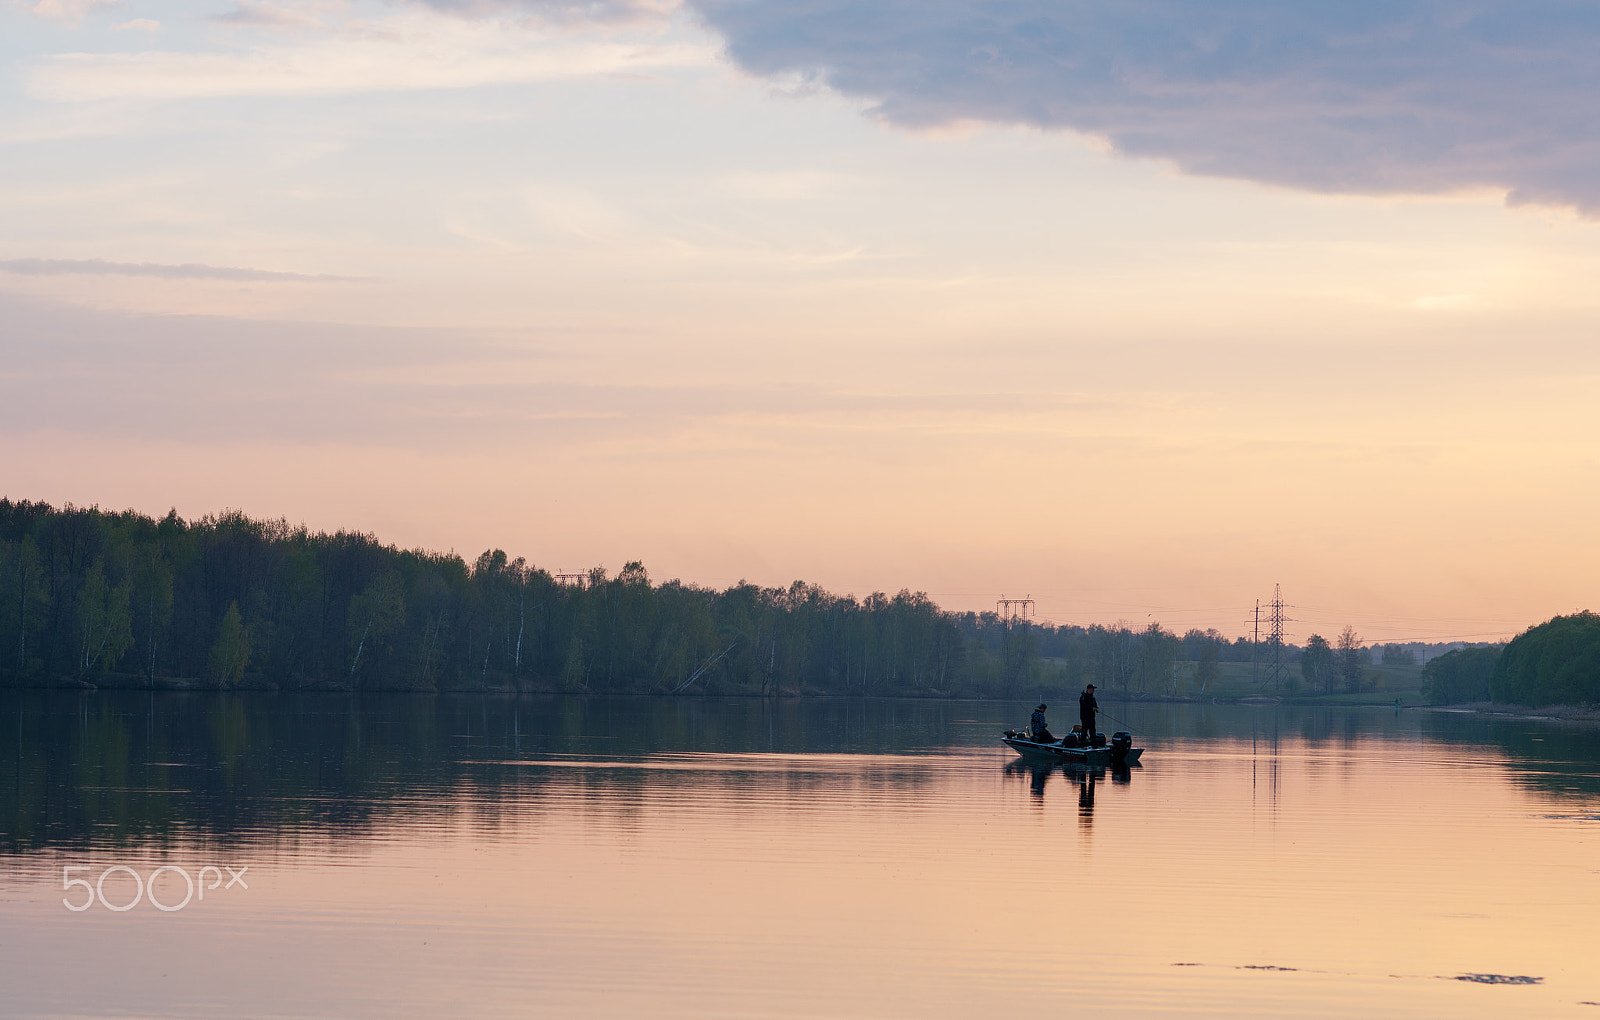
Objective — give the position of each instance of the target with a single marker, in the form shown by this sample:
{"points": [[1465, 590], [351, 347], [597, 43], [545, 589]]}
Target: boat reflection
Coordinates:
{"points": [[1085, 778]]}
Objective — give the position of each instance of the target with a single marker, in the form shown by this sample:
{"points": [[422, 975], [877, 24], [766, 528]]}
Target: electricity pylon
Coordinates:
{"points": [[1279, 670]]}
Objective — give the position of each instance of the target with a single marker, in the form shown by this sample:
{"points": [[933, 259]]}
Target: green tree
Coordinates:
{"points": [[230, 653], [1352, 659], [23, 596], [1208, 669], [1555, 663], [1317, 664], [1462, 675], [1158, 655], [575, 672], [151, 602], [1398, 655], [105, 621], [633, 572], [1019, 649], [375, 615]]}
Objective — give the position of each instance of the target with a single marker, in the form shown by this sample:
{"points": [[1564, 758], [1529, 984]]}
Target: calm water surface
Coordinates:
{"points": [[495, 857]]}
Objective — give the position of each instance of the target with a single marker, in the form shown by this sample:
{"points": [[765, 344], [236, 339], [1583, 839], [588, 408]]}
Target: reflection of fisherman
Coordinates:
{"points": [[1036, 724], [1087, 707]]}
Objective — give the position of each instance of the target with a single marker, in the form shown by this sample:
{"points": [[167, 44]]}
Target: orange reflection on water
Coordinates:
{"points": [[1220, 879]]}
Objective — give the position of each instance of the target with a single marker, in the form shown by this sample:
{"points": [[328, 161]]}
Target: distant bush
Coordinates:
{"points": [[1398, 655], [1460, 676], [1555, 663]]}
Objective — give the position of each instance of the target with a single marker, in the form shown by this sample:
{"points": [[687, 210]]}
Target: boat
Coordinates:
{"points": [[1120, 751]]}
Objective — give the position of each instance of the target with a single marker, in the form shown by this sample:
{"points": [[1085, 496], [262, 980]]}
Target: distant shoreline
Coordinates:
{"points": [[1547, 713], [1587, 714]]}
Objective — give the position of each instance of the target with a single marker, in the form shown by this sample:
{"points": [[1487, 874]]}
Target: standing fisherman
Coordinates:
{"points": [[1087, 707]]}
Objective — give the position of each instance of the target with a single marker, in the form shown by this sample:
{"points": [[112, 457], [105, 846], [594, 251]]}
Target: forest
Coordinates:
{"points": [[1461, 676], [1555, 663], [90, 597]]}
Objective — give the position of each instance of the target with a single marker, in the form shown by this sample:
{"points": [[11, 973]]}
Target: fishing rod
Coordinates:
{"points": [[1120, 722]]}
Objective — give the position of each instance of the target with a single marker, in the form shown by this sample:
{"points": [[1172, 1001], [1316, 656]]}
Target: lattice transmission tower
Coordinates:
{"points": [[1278, 671], [1013, 609]]}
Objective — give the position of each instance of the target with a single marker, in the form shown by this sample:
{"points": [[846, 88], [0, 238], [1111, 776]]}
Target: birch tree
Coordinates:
{"points": [[375, 615], [23, 597], [105, 621], [1352, 659], [230, 654], [152, 602]]}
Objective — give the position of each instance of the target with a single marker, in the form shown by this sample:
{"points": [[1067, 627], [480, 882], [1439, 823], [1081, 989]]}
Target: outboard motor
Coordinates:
{"points": [[1121, 742], [1099, 740]]}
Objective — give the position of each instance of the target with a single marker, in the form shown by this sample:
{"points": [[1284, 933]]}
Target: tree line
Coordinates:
{"points": [[1554, 663], [122, 599]]}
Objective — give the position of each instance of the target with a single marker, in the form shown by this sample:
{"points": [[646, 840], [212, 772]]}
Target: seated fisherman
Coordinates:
{"points": [[1040, 730]]}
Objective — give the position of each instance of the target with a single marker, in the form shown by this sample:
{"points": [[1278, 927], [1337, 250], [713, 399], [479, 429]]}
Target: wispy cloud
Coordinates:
{"points": [[71, 12], [407, 52], [562, 11], [185, 271], [275, 15], [1420, 96], [787, 185]]}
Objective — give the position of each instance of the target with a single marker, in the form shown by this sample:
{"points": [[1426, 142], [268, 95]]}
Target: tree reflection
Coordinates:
{"points": [[122, 768]]}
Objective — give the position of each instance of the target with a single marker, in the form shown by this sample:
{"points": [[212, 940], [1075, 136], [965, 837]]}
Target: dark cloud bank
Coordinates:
{"points": [[1362, 96], [1358, 96]]}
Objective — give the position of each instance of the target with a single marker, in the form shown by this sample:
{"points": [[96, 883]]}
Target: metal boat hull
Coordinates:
{"points": [[1093, 757]]}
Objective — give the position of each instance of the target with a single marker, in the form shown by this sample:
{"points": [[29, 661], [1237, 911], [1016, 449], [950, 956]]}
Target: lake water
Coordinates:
{"points": [[497, 857]]}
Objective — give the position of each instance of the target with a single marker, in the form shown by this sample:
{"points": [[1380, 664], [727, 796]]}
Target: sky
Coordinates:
{"points": [[1135, 310]]}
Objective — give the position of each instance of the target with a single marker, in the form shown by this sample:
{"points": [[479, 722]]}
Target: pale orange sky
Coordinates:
{"points": [[604, 296]]}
